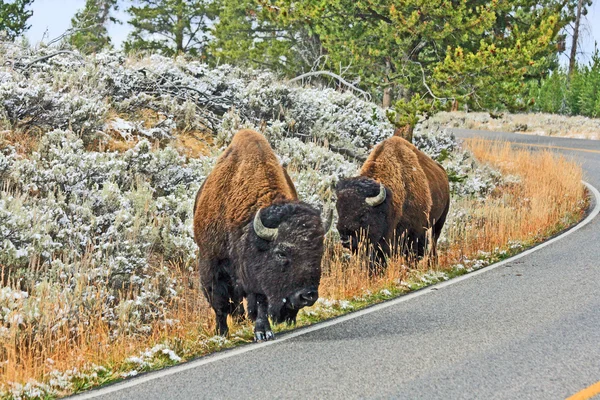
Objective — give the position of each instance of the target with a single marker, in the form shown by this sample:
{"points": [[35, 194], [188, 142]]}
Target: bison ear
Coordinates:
{"points": [[262, 231], [377, 200]]}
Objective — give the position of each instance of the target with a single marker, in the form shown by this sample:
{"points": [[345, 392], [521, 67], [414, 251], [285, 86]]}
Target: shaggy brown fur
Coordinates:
{"points": [[277, 274], [250, 175], [419, 191]]}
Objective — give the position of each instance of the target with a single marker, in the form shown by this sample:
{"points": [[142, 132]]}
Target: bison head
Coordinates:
{"points": [[281, 255], [363, 207]]}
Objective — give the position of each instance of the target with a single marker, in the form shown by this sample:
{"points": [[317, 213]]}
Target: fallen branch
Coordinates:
{"points": [[47, 57], [335, 76], [348, 153]]}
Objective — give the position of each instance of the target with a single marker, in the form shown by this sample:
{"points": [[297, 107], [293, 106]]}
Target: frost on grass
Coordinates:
{"points": [[96, 234]]}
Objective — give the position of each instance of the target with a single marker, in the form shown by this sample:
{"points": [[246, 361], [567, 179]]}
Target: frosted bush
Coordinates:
{"points": [[439, 145], [468, 178], [32, 101]]}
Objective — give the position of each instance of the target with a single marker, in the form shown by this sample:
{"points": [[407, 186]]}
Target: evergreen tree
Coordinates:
{"points": [[244, 34], [170, 27], [439, 49], [89, 26], [436, 49], [14, 16]]}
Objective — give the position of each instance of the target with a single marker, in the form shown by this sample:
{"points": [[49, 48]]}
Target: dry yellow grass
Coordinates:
{"points": [[545, 198]]}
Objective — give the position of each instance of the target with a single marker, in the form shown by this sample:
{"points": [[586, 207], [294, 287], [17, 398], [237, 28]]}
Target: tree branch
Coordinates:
{"points": [[332, 75], [46, 57], [426, 85]]}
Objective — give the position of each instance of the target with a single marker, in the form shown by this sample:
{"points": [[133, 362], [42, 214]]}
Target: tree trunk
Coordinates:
{"points": [[387, 97], [387, 92], [179, 27], [405, 132], [572, 60]]}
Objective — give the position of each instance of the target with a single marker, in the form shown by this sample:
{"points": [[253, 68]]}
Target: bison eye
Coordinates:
{"points": [[281, 256]]}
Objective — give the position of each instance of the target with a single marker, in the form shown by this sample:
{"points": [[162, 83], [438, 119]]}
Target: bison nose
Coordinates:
{"points": [[310, 296], [304, 298]]}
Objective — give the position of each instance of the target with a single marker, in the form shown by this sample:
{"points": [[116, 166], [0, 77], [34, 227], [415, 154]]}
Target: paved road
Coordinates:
{"points": [[526, 330]]}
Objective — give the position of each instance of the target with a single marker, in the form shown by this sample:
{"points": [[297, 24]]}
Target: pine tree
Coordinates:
{"points": [[14, 16], [245, 35], [170, 27], [436, 49], [89, 26]]}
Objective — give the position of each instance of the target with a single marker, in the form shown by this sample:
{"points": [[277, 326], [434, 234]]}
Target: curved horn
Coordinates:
{"points": [[328, 222], [262, 231], [377, 200]]}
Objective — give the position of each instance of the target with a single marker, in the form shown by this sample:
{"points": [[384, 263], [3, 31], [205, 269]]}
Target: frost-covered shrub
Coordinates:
{"points": [[33, 101], [467, 176], [106, 213], [439, 145]]}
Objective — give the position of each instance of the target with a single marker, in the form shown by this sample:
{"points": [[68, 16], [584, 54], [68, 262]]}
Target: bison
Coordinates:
{"points": [[255, 239], [399, 195]]}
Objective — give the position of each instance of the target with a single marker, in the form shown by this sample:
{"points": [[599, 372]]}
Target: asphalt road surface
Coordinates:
{"points": [[528, 329]]}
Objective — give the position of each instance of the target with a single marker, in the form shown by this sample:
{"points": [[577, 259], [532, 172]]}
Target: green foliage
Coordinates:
{"points": [[170, 27], [550, 97], [578, 94], [89, 26], [434, 50], [14, 16], [459, 49], [408, 112], [244, 35]]}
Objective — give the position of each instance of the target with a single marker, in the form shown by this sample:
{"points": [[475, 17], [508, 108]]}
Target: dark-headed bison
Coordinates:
{"points": [[400, 194], [255, 239]]}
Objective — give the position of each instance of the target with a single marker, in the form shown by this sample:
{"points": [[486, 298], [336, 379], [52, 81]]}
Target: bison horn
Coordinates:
{"points": [[262, 231], [377, 200]]}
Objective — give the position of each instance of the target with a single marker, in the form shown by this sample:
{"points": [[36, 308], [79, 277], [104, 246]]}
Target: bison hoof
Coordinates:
{"points": [[263, 336]]}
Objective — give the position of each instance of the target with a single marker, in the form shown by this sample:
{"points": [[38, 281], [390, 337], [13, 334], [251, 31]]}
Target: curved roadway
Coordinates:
{"points": [[529, 329]]}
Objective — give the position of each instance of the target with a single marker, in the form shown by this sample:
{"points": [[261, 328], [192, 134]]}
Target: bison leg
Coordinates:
{"points": [[252, 306], [437, 230], [290, 317], [262, 327], [215, 288], [236, 306]]}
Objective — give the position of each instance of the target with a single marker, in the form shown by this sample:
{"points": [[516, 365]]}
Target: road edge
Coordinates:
{"points": [[150, 376]]}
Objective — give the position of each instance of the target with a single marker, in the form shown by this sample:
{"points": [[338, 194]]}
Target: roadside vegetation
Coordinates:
{"points": [[542, 124], [100, 160], [577, 93], [561, 104]]}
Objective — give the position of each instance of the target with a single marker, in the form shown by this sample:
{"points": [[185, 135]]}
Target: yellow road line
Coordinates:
{"points": [[555, 147], [587, 393]]}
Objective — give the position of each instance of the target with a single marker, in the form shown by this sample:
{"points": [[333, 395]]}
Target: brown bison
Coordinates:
{"points": [[400, 194], [255, 239]]}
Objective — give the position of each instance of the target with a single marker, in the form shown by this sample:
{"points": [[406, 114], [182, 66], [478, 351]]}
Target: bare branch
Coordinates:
{"points": [[348, 153], [335, 76], [427, 86], [46, 57]]}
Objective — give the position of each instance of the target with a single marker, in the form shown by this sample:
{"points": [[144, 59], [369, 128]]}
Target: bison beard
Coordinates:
{"points": [[399, 196], [256, 240]]}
